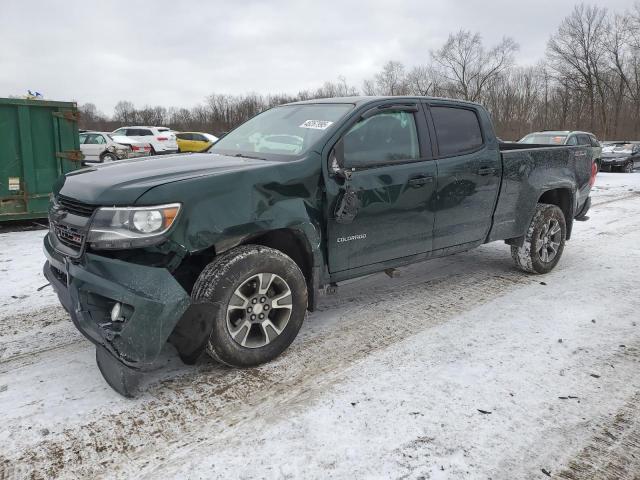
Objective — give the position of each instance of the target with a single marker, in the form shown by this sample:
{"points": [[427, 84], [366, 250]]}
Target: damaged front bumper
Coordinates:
{"points": [[151, 302], [613, 161]]}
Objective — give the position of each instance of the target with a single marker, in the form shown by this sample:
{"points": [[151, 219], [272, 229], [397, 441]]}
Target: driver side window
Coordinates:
{"points": [[389, 137]]}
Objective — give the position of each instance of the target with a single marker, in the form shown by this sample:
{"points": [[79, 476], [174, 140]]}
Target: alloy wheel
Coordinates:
{"points": [[259, 310], [549, 240]]}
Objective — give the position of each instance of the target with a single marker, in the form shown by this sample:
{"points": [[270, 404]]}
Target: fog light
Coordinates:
{"points": [[115, 313]]}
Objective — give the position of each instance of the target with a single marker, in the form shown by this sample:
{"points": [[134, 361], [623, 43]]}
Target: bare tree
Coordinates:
{"points": [[392, 80], [424, 80], [577, 53], [125, 112], [468, 66]]}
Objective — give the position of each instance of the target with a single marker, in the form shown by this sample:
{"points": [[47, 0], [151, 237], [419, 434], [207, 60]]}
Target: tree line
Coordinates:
{"points": [[588, 80]]}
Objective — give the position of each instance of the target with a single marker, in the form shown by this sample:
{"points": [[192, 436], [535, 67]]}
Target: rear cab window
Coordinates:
{"points": [[457, 130]]}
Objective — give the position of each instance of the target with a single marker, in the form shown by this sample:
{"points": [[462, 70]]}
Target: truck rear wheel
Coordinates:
{"points": [[543, 242], [260, 298]]}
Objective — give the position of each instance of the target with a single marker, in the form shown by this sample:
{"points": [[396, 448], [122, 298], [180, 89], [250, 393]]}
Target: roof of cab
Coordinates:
{"points": [[559, 132], [361, 100]]}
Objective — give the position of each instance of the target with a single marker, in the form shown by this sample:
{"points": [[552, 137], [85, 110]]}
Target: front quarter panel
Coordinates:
{"points": [[221, 211]]}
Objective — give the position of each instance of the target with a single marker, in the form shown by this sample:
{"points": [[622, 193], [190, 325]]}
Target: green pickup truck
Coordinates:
{"points": [[224, 251]]}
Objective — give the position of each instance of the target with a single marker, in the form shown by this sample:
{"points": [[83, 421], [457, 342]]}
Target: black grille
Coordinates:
{"points": [[68, 236], [75, 207]]}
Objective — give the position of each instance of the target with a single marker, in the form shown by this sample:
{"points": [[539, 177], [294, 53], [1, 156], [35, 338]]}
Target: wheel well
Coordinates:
{"points": [[562, 198], [291, 243]]}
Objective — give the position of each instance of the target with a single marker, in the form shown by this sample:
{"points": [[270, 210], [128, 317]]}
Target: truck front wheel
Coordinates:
{"points": [[543, 242], [260, 299]]}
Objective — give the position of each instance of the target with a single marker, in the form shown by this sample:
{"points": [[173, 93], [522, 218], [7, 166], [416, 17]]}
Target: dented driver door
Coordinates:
{"points": [[392, 177]]}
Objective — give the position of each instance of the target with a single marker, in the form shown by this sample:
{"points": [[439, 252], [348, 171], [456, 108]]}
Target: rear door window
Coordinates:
{"points": [[572, 140], [92, 139], [457, 129]]}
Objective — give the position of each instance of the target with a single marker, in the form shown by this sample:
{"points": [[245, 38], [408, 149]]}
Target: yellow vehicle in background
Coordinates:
{"points": [[194, 141]]}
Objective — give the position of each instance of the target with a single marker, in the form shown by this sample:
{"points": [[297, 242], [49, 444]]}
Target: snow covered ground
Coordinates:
{"points": [[462, 367]]}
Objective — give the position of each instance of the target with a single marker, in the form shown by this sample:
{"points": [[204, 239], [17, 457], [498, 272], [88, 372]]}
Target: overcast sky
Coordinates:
{"points": [[175, 53]]}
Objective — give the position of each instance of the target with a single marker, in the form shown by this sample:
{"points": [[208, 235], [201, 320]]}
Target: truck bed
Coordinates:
{"points": [[530, 169]]}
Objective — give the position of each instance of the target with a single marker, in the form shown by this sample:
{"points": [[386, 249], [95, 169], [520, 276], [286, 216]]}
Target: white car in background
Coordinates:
{"points": [[161, 139], [107, 147]]}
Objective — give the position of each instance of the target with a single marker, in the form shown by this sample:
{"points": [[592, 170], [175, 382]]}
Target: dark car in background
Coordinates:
{"points": [[621, 156]]}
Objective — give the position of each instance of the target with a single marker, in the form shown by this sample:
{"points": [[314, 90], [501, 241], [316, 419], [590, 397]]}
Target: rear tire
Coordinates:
{"points": [[544, 241], [108, 157], [628, 167], [260, 299]]}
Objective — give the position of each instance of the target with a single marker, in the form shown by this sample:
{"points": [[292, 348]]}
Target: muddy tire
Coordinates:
{"points": [[544, 241], [260, 298], [628, 167]]}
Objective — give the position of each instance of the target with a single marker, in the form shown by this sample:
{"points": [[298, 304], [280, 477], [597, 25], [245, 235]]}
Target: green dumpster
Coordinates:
{"points": [[38, 143]]}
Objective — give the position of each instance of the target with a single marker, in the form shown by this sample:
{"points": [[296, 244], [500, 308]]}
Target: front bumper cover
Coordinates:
{"points": [[154, 302], [613, 161]]}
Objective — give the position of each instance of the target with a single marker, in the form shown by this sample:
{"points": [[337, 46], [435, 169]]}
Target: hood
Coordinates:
{"points": [[617, 153], [123, 182]]}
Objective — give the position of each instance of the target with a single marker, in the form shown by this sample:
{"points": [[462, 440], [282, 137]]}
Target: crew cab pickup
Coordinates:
{"points": [[224, 251]]}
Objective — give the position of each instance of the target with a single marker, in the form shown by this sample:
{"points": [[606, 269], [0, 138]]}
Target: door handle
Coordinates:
{"points": [[420, 180], [486, 171]]}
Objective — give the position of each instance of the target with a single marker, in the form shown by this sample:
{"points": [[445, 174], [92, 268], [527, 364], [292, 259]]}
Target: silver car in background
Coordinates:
{"points": [[100, 147], [566, 137]]}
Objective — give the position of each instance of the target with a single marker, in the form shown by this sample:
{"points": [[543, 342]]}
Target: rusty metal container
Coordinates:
{"points": [[38, 143]]}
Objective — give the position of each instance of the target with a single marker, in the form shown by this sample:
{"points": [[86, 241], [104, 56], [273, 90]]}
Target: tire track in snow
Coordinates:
{"points": [[613, 453], [210, 398], [25, 337]]}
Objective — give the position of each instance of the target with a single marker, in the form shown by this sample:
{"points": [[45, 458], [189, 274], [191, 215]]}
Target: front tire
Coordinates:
{"points": [[544, 241], [260, 299], [628, 167]]}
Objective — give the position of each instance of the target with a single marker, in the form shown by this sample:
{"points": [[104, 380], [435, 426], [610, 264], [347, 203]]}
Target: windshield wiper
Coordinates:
{"points": [[247, 156]]}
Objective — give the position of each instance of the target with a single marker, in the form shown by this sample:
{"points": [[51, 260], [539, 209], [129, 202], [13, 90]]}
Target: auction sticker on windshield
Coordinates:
{"points": [[316, 124]]}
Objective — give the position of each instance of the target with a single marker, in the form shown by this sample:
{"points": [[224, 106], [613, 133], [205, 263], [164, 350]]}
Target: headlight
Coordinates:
{"points": [[131, 227]]}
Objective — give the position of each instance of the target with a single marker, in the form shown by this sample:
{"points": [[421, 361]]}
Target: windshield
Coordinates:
{"points": [[544, 139], [289, 130]]}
